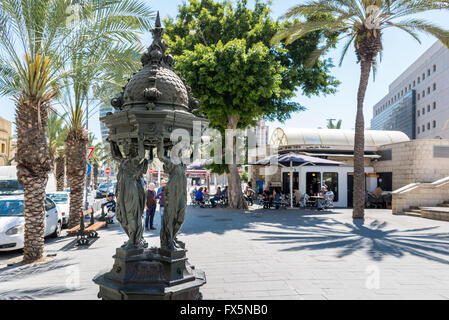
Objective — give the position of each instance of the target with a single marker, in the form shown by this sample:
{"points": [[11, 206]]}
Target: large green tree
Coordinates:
{"points": [[362, 23], [224, 52]]}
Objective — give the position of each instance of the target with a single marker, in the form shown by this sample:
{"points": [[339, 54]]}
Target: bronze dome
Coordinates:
{"points": [[156, 85]]}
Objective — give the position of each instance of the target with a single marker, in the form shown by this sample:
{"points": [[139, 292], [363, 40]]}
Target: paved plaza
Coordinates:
{"points": [[277, 254]]}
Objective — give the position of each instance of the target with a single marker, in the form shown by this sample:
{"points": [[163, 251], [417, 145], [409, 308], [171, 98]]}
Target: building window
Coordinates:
{"points": [[3, 148], [434, 67], [419, 130], [423, 128], [331, 181], [428, 126], [410, 87], [419, 113], [423, 111], [414, 83], [428, 72], [434, 124], [428, 90], [428, 108], [434, 86], [424, 93], [434, 105], [423, 76], [419, 96], [419, 80]]}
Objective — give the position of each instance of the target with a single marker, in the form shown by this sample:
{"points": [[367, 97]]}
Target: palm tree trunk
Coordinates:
{"points": [[76, 150], [235, 193], [33, 166], [60, 173], [95, 176], [359, 145]]}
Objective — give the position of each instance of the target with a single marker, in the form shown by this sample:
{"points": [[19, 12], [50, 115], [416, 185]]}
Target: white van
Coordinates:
{"points": [[10, 186]]}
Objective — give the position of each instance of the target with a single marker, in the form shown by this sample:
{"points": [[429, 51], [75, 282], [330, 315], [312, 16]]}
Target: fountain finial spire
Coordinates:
{"points": [[158, 20]]}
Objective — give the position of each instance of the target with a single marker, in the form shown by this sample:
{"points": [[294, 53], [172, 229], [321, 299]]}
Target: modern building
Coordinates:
{"points": [[418, 100], [5, 142], [261, 132], [104, 110]]}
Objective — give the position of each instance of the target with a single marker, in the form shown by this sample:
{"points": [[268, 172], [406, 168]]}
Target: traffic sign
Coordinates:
{"points": [[107, 171], [89, 169], [90, 152]]}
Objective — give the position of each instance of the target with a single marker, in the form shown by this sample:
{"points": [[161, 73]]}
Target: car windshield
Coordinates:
{"points": [[10, 187], [11, 208], [58, 197]]}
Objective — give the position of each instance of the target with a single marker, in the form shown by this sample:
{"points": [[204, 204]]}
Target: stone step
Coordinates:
{"points": [[435, 213], [435, 209], [415, 211], [444, 205], [412, 214]]}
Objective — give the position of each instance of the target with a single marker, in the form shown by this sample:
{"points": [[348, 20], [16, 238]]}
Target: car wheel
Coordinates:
{"points": [[58, 229]]}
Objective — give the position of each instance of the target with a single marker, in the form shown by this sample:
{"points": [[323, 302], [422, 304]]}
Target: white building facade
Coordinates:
{"points": [[418, 100]]}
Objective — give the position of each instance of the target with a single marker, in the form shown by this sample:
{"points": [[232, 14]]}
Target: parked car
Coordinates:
{"points": [[12, 222], [105, 188], [62, 201]]}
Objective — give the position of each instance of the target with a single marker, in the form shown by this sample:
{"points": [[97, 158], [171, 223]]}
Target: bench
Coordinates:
{"points": [[75, 229]]}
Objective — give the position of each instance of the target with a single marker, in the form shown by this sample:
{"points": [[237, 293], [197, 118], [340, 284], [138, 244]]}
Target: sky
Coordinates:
{"points": [[400, 51]]}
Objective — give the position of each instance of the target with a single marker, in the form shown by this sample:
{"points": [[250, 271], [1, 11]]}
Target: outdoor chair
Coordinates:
{"points": [[329, 202], [372, 202]]}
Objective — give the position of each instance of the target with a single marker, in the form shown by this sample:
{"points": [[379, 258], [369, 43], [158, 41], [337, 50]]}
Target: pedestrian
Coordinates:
{"points": [[163, 184], [150, 207], [161, 197]]}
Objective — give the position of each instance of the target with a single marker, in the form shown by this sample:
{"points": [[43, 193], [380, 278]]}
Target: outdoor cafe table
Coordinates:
{"points": [[316, 199]]}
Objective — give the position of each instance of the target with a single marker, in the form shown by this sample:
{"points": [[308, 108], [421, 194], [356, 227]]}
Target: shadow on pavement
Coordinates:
{"points": [[312, 230], [22, 271], [34, 293]]}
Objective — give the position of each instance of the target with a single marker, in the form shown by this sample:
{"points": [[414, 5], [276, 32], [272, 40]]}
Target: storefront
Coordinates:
{"points": [[339, 179], [337, 145]]}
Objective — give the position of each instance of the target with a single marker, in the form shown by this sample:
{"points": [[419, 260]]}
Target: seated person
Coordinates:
{"points": [[322, 201], [329, 195], [216, 198], [249, 194], [298, 196], [199, 196], [378, 192], [110, 204]]}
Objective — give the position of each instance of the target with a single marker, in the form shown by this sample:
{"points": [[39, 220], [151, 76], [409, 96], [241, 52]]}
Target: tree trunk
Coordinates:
{"points": [[89, 179], [235, 194], [60, 173], [95, 176], [76, 151], [33, 166], [359, 145]]}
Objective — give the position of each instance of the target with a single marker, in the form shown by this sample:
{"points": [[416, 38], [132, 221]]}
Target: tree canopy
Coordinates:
{"points": [[224, 52]]}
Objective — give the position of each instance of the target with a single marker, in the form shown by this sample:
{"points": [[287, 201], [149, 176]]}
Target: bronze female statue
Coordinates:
{"points": [[175, 203], [130, 192]]}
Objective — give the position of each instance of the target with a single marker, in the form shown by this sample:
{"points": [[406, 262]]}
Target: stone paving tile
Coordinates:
{"points": [[278, 255]]}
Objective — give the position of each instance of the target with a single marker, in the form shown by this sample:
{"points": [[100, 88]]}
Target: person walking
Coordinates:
{"points": [[161, 197], [150, 207]]}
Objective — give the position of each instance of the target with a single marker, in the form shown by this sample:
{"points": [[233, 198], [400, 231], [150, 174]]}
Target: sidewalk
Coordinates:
{"points": [[267, 255]]}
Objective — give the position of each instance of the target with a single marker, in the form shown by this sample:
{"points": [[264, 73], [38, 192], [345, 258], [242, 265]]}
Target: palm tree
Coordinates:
{"points": [[363, 22], [31, 34], [56, 136], [331, 125], [103, 40]]}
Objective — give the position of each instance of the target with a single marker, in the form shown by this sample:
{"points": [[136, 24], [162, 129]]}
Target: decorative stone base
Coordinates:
{"points": [[151, 274]]}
